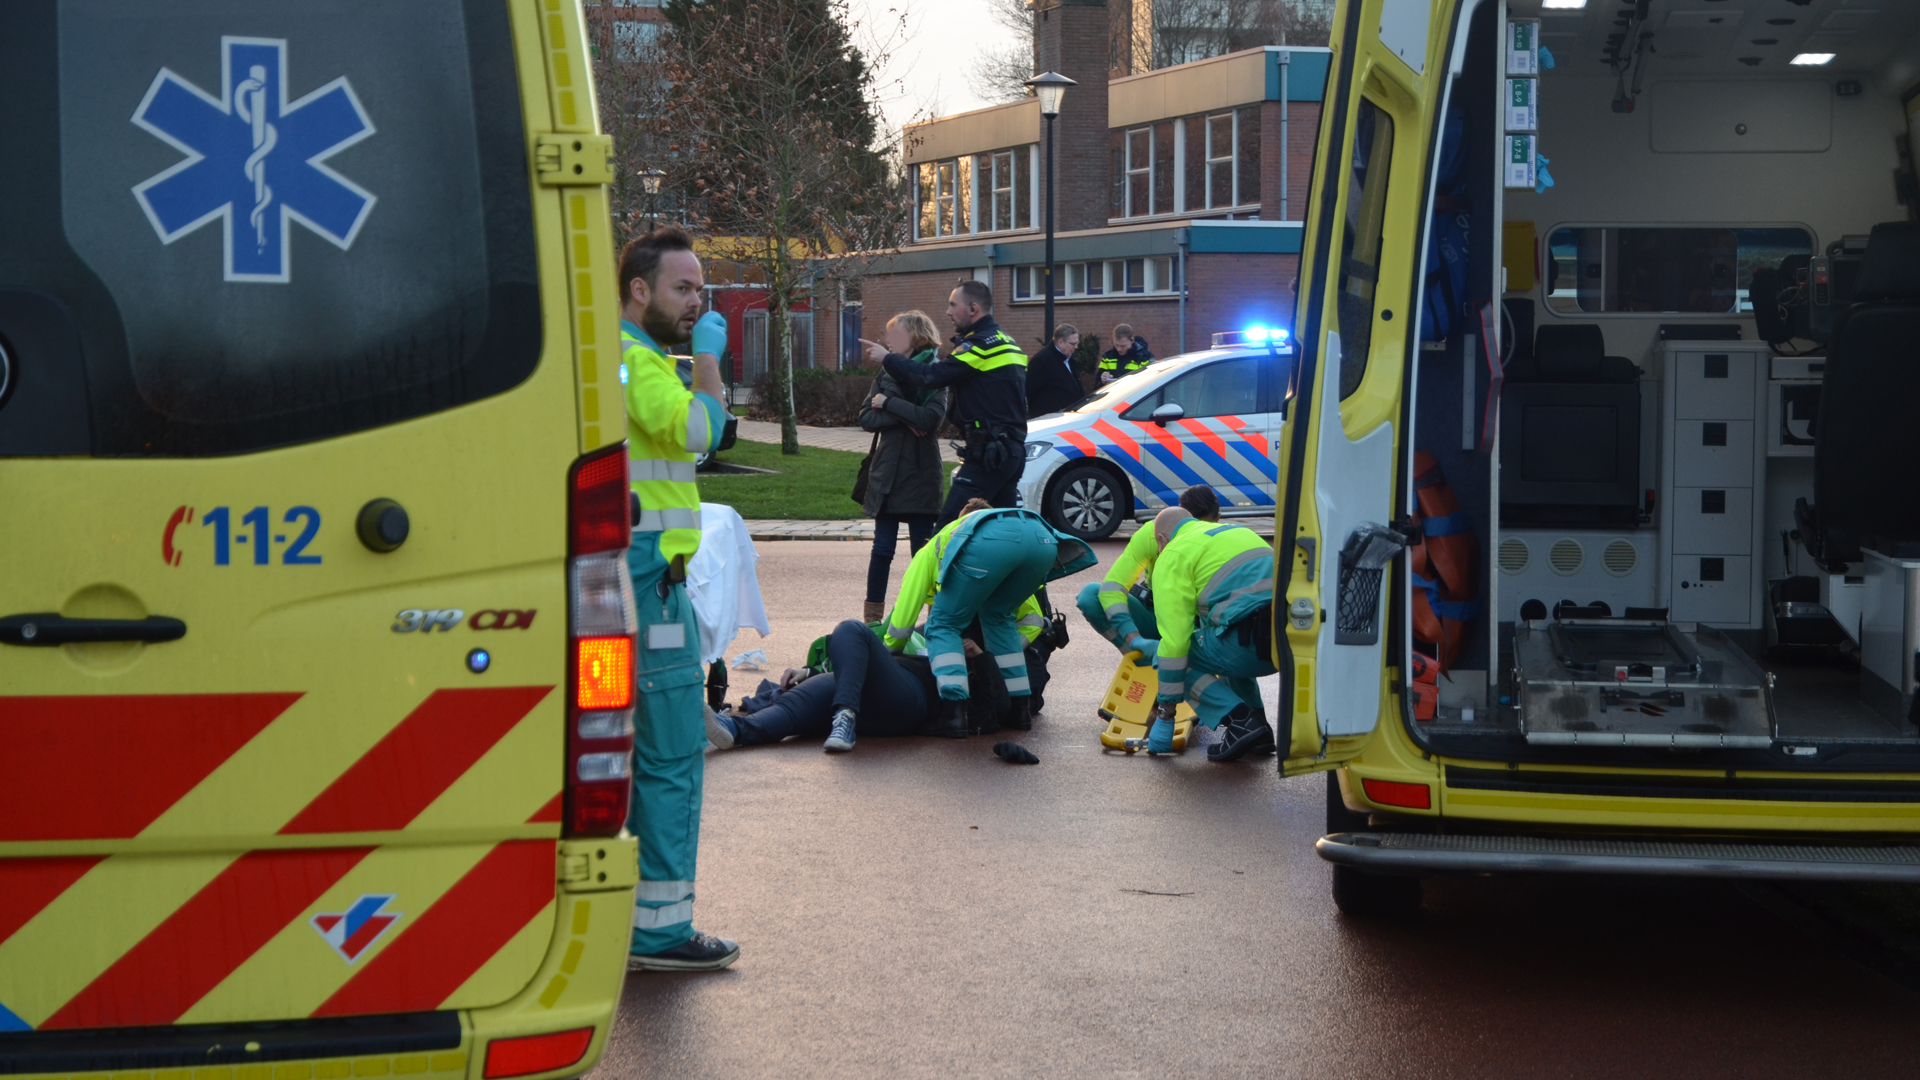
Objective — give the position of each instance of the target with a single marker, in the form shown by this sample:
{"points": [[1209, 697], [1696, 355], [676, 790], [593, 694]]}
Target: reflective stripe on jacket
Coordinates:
{"points": [[1207, 578], [668, 426]]}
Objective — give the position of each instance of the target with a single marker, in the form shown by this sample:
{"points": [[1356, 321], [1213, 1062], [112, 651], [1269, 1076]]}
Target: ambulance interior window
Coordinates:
{"points": [[1361, 240], [1666, 269], [242, 264]]}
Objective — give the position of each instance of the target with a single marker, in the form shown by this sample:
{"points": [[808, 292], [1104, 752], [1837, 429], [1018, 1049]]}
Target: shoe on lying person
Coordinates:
{"points": [[1245, 732], [840, 739], [702, 952], [720, 730]]}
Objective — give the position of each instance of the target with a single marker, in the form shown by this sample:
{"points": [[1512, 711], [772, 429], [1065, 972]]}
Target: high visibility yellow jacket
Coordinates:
{"points": [[1134, 562], [668, 426], [921, 584], [1207, 578]]}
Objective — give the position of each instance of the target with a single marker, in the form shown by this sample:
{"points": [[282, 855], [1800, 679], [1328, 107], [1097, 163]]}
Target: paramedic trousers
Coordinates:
{"points": [[1220, 675], [1141, 614], [1005, 561], [669, 743], [888, 699]]}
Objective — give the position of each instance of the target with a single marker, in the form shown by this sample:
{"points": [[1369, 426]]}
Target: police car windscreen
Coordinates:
{"points": [[260, 223]]}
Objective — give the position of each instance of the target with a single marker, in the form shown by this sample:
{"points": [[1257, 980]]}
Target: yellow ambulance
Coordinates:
{"points": [[1608, 357], [315, 632]]}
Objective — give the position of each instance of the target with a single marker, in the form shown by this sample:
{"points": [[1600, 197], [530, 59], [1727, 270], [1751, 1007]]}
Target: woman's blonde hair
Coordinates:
{"points": [[919, 329]]}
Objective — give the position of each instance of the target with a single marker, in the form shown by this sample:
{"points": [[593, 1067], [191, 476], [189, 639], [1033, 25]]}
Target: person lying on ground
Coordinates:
{"points": [[869, 691]]}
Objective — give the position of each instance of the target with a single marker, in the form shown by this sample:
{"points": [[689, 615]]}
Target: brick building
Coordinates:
{"points": [[1177, 198]]}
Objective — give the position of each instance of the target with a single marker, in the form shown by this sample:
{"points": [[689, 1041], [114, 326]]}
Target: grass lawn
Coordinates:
{"points": [[813, 485]]}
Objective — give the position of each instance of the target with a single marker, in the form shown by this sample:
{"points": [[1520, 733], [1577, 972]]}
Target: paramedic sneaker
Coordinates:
{"points": [[720, 730], [1245, 732], [840, 739], [703, 952]]}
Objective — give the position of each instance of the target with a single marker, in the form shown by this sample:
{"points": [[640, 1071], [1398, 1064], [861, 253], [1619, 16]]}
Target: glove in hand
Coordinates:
{"points": [[1148, 647], [1160, 737], [710, 334]]}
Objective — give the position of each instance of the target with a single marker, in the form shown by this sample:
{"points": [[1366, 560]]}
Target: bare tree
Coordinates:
{"points": [[771, 135], [999, 75], [627, 65]]}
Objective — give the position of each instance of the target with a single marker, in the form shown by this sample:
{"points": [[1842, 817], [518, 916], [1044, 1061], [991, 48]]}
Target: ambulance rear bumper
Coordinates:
{"points": [[1424, 853]]}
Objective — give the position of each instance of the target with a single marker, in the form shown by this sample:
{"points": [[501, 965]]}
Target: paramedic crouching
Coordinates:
{"points": [[1110, 605], [1213, 604]]}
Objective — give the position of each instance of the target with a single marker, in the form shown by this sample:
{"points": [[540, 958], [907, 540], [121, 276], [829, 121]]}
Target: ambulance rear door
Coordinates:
{"points": [[1342, 444], [284, 478]]}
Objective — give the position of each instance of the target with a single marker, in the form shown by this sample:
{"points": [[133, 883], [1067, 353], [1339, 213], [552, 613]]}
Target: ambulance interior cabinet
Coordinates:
{"points": [[1713, 482]]}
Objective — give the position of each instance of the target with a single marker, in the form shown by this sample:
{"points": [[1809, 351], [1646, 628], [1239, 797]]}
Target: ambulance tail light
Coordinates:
{"points": [[536, 1053], [602, 625], [1395, 793]]}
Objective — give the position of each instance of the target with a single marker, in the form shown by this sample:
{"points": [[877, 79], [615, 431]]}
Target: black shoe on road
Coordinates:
{"points": [[702, 952], [1242, 735]]}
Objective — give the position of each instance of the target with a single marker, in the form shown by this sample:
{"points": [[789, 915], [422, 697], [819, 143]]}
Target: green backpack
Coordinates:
{"points": [[817, 652]]}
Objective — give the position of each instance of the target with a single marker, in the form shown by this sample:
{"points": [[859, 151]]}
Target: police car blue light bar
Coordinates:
{"points": [[1252, 335]]}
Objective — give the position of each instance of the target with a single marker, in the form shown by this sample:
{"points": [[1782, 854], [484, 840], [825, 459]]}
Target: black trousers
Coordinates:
{"points": [[865, 677], [972, 480]]}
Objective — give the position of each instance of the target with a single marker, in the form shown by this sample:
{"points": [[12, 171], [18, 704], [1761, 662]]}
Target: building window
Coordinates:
{"points": [[1223, 161], [801, 324], [943, 196], [1117, 278], [1143, 165], [1005, 182]]}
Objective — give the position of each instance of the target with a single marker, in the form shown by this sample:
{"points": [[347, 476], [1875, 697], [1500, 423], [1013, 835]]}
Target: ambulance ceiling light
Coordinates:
{"points": [[1564, 5], [1812, 59]]}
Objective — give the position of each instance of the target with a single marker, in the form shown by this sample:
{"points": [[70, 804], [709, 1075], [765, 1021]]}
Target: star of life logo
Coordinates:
{"points": [[353, 931], [255, 161]]}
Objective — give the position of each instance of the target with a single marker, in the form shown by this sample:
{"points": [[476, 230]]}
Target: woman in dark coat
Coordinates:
{"points": [[904, 480]]}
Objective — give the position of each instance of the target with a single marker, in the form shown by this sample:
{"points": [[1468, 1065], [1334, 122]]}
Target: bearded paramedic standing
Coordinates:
{"points": [[989, 375], [668, 426]]}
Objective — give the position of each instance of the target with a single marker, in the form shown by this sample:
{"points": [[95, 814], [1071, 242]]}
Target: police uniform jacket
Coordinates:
{"points": [[988, 373]]}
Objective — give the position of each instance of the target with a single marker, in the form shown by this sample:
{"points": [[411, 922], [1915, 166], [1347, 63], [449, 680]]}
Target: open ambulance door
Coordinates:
{"points": [[1343, 454]]}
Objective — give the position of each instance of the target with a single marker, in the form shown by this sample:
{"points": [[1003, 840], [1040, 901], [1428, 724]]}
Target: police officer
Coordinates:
{"points": [[1112, 607], [1213, 605], [989, 375], [668, 426], [1128, 355]]}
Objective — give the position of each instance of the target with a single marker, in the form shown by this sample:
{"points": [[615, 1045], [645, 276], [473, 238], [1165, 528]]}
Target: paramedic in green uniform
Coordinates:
{"points": [[1110, 605], [1213, 603], [668, 426]]}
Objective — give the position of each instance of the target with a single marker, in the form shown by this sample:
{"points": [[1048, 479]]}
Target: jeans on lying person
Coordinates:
{"points": [[865, 677]]}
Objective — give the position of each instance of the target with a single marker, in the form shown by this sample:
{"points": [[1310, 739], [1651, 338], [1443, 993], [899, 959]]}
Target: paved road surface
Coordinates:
{"points": [[919, 909]]}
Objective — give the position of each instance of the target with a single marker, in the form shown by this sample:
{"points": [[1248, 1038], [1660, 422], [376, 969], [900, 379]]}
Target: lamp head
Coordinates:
{"points": [[1050, 87], [650, 180]]}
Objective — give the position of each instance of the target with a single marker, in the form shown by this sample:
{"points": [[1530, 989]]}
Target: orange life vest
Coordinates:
{"points": [[1444, 599]]}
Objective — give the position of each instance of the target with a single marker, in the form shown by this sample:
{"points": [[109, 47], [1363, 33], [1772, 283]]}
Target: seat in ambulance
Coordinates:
{"points": [[1869, 419]]}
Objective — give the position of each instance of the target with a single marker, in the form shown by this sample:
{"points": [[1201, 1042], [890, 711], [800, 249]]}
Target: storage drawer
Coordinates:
{"points": [[1713, 453], [1714, 386], [1713, 589], [1712, 521]]}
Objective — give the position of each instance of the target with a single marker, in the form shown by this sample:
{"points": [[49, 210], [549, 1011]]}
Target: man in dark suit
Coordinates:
{"points": [[1052, 384]]}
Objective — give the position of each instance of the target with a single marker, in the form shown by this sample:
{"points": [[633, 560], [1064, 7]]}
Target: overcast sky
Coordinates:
{"points": [[926, 73]]}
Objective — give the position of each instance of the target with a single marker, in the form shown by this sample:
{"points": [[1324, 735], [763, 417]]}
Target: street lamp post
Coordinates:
{"points": [[650, 180], [1050, 88]]}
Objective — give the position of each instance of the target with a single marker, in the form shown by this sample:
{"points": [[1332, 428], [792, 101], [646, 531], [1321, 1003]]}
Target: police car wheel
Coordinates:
{"points": [[1085, 502], [703, 462]]}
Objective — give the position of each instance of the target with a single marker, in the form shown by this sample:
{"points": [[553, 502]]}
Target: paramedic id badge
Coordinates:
{"points": [[670, 635]]}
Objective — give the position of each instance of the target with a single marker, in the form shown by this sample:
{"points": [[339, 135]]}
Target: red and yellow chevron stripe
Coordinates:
{"points": [[153, 869]]}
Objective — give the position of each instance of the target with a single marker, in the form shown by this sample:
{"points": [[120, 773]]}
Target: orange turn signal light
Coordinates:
{"points": [[536, 1053], [1395, 793], [603, 668]]}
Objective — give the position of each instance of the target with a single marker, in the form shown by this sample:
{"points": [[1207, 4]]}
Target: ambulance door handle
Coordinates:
{"points": [[51, 628]]}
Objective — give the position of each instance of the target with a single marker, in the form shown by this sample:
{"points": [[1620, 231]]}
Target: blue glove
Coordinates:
{"points": [[1160, 737], [1147, 647], [710, 334]]}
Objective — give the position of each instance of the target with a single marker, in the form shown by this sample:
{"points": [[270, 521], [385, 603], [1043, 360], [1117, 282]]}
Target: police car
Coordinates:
{"points": [[1129, 450]]}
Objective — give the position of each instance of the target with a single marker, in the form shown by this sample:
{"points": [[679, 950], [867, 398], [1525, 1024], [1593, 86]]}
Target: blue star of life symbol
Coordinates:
{"points": [[255, 161]]}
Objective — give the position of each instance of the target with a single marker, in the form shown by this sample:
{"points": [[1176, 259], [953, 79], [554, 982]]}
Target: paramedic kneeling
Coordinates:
{"points": [[987, 565], [1112, 607], [1213, 604]]}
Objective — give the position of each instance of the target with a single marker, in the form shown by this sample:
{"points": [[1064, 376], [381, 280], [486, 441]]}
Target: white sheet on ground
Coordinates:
{"points": [[724, 581]]}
